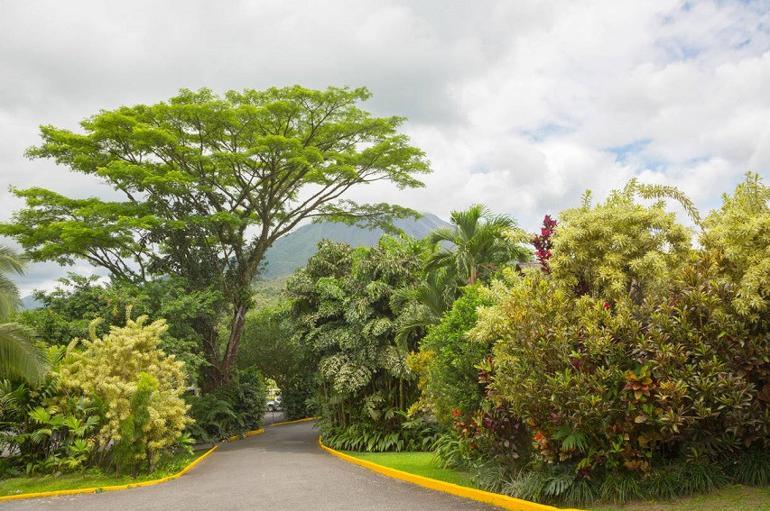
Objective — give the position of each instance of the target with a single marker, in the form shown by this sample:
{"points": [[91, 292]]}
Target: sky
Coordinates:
{"points": [[520, 105]]}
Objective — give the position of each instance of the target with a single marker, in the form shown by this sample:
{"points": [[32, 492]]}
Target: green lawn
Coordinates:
{"points": [[731, 498], [420, 463], [92, 478]]}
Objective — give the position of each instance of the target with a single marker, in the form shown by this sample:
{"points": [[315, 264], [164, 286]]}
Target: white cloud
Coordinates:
{"points": [[520, 105]]}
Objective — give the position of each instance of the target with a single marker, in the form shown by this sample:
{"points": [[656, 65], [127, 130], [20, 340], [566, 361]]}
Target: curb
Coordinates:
{"points": [[140, 484], [494, 499], [284, 423]]}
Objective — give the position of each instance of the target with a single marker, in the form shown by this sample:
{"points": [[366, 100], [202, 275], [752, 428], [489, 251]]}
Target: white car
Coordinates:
{"points": [[274, 405]]}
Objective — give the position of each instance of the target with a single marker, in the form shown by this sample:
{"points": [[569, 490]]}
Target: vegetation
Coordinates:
{"points": [[209, 183], [19, 357], [628, 360], [93, 478], [419, 463]]}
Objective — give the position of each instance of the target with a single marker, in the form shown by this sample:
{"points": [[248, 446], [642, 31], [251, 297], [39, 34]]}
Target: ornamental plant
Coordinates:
{"points": [[621, 247], [543, 243], [111, 370], [739, 233], [635, 386]]}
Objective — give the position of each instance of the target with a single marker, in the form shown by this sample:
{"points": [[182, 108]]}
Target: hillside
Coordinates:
{"points": [[293, 250]]}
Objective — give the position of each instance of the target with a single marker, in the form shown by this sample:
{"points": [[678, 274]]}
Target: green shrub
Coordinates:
{"points": [[130, 451], [234, 408], [42, 431], [107, 371], [450, 378]]}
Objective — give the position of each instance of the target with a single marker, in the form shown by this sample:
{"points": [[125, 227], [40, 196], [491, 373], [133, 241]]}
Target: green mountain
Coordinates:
{"points": [[293, 250]]}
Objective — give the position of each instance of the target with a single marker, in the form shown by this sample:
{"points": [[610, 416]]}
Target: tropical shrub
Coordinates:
{"points": [[639, 370], [739, 232], [450, 376], [41, 432], [347, 308], [620, 247], [231, 409], [107, 373]]}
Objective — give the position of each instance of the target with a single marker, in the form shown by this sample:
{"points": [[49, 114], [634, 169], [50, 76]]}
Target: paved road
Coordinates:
{"points": [[282, 469]]}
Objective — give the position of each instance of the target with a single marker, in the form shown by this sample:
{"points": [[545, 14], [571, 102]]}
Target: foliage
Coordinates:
{"points": [[451, 377], [19, 357], [41, 431], [130, 450], [543, 243], [478, 245], [348, 305], [621, 247], [233, 408], [208, 184], [93, 374], [740, 233], [634, 365], [68, 310]]}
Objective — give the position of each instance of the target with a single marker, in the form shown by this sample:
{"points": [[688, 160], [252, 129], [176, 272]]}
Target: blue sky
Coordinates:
{"points": [[520, 105]]}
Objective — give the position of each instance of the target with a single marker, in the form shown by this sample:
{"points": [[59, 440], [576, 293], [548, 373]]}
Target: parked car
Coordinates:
{"points": [[274, 405]]}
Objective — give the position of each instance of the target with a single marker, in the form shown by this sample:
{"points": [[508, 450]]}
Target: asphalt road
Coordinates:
{"points": [[282, 469]]}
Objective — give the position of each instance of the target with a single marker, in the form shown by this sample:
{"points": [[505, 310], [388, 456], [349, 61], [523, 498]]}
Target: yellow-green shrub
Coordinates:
{"points": [[107, 372]]}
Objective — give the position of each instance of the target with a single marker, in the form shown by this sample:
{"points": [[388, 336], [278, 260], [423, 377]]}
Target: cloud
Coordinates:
{"points": [[519, 105]]}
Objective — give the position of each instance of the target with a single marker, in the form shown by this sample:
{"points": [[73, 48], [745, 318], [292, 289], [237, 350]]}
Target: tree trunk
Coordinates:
{"points": [[211, 377], [233, 341]]}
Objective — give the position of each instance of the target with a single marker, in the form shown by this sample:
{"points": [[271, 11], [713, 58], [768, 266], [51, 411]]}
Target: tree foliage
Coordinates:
{"points": [[209, 183]]}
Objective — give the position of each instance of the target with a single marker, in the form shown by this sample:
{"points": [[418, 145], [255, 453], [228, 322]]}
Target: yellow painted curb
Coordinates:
{"points": [[306, 419], [247, 434], [118, 487], [495, 499]]}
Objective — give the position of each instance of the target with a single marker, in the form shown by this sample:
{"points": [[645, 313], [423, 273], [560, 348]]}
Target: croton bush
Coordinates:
{"points": [[635, 350]]}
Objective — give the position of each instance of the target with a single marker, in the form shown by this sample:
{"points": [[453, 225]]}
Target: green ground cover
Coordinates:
{"points": [[93, 478], [730, 498], [420, 463]]}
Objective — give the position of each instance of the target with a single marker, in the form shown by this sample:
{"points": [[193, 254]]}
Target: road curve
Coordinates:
{"points": [[282, 469]]}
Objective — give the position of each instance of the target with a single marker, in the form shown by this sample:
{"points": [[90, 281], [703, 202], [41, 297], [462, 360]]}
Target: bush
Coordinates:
{"points": [[42, 431], [107, 372], [639, 364], [450, 377], [232, 409]]}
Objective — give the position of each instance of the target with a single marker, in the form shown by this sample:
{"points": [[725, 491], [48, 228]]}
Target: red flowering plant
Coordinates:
{"points": [[543, 243]]}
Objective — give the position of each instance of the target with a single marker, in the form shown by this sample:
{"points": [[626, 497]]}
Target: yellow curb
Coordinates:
{"points": [[495, 499], [306, 419], [247, 434], [140, 484], [117, 487]]}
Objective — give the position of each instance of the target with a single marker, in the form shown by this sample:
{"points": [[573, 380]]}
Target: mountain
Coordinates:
{"points": [[28, 302], [292, 251]]}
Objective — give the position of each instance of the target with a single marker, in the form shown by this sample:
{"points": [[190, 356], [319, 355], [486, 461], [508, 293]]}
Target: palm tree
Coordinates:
{"points": [[19, 357], [479, 243]]}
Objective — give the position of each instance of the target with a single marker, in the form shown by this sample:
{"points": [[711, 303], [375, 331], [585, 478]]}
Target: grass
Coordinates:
{"points": [[729, 498], [92, 478], [420, 463]]}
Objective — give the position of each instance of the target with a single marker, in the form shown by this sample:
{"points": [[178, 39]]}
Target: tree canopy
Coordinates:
{"points": [[208, 183]]}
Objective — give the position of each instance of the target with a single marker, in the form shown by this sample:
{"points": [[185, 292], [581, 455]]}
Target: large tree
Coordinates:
{"points": [[208, 183]]}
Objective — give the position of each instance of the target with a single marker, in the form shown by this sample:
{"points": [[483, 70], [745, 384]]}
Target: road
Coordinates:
{"points": [[282, 469]]}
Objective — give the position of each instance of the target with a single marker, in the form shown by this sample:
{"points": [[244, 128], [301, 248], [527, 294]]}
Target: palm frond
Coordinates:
{"points": [[19, 357]]}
